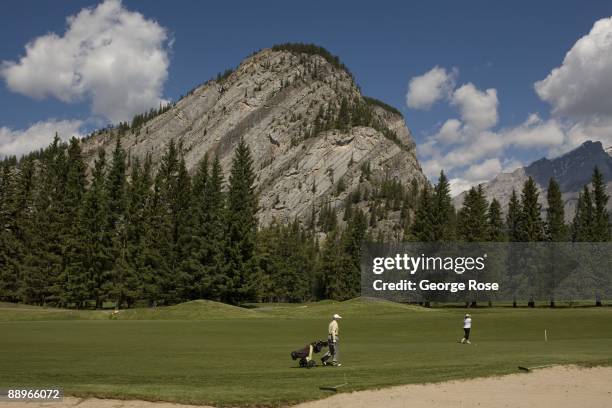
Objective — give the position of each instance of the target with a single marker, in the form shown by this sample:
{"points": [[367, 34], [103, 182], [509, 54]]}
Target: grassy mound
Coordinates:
{"points": [[210, 310], [20, 312], [193, 310], [362, 307]]}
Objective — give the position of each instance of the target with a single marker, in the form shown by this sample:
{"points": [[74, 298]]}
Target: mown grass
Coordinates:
{"points": [[241, 357]]}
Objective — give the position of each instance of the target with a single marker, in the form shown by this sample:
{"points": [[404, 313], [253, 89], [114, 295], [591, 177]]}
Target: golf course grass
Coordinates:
{"points": [[206, 353]]}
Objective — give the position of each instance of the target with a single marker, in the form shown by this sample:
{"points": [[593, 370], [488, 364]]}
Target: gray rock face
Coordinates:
{"points": [[272, 100], [572, 171]]}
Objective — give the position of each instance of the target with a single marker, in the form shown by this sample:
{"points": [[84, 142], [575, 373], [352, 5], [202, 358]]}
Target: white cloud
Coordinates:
{"points": [[483, 171], [450, 132], [535, 132], [511, 165], [427, 89], [459, 185], [582, 85], [113, 57], [478, 109], [40, 134]]}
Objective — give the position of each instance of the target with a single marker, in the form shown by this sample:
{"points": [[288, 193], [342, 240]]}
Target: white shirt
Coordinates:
{"points": [[467, 323], [333, 329]]}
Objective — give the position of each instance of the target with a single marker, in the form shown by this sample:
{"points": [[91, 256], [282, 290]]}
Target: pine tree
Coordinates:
{"points": [[601, 218], [171, 218], [153, 259], [354, 237], [43, 262], [137, 204], [24, 222], [208, 232], [344, 118], [472, 224], [443, 228], [556, 230], [9, 245], [531, 227], [496, 223], [92, 260], [582, 226], [513, 218], [423, 226], [75, 190], [183, 228], [242, 206], [123, 286], [328, 219], [335, 268]]}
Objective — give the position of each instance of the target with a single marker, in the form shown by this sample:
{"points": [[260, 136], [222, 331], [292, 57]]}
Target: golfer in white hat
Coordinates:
{"points": [[332, 340], [467, 326]]}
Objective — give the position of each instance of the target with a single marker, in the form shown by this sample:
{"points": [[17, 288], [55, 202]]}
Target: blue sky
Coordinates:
{"points": [[506, 47]]}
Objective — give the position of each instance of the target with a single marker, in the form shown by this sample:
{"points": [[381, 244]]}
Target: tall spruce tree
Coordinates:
{"points": [[582, 226], [556, 230], [353, 238], [9, 245], [24, 222], [74, 192], [123, 285], [531, 227], [242, 206], [472, 224], [422, 229], [601, 218], [208, 241], [172, 199], [496, 223], [136, 226], [43, 261], [443, 211], [513, 218], [92, 260], [335, 268]]}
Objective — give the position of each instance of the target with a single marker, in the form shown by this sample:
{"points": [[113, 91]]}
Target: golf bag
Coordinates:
{"points": [[305, 354]]}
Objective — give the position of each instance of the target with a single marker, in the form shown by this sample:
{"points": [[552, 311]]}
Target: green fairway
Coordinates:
{"points": [[203, 352]]}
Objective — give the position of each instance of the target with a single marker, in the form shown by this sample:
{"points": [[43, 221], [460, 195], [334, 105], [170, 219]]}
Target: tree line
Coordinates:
{"points": [[525, 221], [123, 234]]}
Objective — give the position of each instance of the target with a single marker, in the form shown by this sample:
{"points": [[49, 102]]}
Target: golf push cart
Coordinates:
{"points": [[305, 354]]}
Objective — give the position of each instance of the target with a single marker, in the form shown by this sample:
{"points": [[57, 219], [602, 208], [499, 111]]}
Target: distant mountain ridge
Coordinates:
{"points": [[572, 171]]}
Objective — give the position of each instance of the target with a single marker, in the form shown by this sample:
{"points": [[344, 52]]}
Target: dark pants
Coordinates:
{"points": [[332, 352], [467, 334]]}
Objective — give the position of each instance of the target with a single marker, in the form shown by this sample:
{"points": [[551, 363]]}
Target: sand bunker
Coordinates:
{"points": [[559, 387]]}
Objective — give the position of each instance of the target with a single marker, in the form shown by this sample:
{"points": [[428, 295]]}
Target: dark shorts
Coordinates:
{"points": [[467, 334]]}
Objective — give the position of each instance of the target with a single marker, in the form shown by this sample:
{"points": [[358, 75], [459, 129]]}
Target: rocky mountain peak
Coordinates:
{"points": [[304, 119], [573, 171]]}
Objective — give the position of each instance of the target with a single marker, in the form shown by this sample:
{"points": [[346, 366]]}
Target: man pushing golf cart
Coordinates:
{"points": [[332, 341], [305, 353]]}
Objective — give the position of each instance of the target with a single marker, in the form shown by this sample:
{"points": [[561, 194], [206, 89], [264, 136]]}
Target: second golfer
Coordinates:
{"points": [[332, 339]]}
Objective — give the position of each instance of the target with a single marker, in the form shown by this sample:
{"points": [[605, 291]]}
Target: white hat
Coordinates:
{"points": [[337, 316], [467, 315]]}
